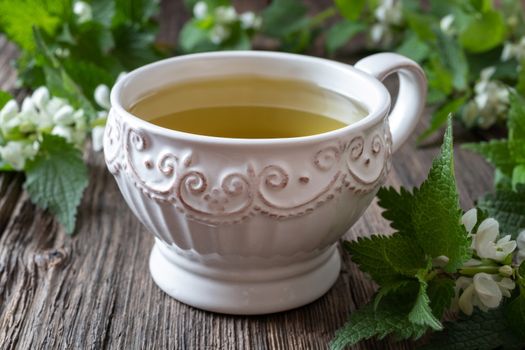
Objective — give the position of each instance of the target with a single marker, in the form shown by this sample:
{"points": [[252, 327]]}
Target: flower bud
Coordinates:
{"points": [[102, 96], [83, 11], [63, 131], [28, 105], [97, 138], [506, 271], [40, 97], [225, 14]]}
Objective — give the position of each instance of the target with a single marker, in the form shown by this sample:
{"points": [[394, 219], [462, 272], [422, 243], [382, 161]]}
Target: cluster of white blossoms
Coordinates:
{"points": [[22, 127], [225, 17], [490, 103], [487, 278], [514, 50], [388, 14]]}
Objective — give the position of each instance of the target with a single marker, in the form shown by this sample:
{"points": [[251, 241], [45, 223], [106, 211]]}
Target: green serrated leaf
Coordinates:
{"points": [[4, 98], [192, 38], [421, 312], [366, 323], [18, 17], [484, 32], [518, 175], [103, 11], [389, 288], [400, 216], [440, 292], [516, 126], [56, 179], [350, 9], [508, 208], [480, 331], [341, 33], [134, 11], [387, 258], [133, 46]]}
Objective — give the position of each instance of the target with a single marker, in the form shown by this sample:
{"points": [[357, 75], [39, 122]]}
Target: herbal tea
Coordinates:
{"points": [[248, 107]]}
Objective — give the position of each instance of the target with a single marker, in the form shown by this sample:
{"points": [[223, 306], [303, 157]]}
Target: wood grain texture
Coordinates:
{"points": [[94, 291]]}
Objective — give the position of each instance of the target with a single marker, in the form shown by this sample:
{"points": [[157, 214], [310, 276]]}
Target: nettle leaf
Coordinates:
{"points": [[193, 38], [507, 207], [103, 11], [366, 323], [56, 179], [480, 331], [350, 9], [485, 31], [516, 127], [437, 214], [440, 292], [134, 11], [4, 98], [341, 33], [421, 312], [133, 46], [18, 17], [387, 258]]}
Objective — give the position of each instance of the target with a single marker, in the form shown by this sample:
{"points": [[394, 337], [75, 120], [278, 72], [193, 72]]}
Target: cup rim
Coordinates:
{"points": [[374, 116]]}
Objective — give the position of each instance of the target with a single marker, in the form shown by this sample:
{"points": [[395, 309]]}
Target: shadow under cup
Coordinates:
{"points": [[248, 226]]}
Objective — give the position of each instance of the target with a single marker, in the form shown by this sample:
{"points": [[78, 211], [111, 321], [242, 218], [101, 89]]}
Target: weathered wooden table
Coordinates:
{"points": [[93, 290]]}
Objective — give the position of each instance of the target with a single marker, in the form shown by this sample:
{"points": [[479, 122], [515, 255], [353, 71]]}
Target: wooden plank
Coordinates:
{"points": [[93, 290]]}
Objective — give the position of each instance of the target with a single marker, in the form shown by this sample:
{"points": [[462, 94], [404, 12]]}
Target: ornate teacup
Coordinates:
{"points": [[250, 226]]}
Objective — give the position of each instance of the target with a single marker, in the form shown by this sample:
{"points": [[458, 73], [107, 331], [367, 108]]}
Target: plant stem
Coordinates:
{"points": [[323, 16], [472, 270]]}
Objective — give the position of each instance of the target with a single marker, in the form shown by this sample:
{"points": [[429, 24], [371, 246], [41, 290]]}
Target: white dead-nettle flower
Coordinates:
{"points": [[513, 50], [483, 290], [387, 14], [446, 25], [97, 136], [225, 14], [16, 153], [484, 239], [200, 10], [83, 11], [102, 96], [62, 52], [219, 34], [250, 20], [490, 103], [520, 257]]}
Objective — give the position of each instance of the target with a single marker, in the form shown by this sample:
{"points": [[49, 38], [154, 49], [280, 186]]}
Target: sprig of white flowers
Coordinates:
{"points": [[224, 18], [488, 277], [387, 15]]}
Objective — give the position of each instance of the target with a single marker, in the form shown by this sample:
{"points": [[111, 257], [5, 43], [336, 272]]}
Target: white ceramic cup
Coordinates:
{"points": [[250, 226]]}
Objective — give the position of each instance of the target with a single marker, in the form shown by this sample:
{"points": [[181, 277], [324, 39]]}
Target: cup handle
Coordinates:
{"points": [[412, 91]]}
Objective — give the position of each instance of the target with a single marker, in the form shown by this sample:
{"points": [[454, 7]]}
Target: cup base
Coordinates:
{"points": [[234, 292]]}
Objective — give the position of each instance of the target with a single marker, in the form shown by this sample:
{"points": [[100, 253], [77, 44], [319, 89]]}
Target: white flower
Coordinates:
{"points": [[83, 11], [9, 110], [102, 96], [97, 137], [511, 50], [520, 257], [40, 97], [62, 52], [250, 20], [63, 131], [225, 14], [484, 242], [490, 103], [387, 14], [483, 290], [446, 24], [219, 34], [64, 116], [16, 153], [200, 10]]}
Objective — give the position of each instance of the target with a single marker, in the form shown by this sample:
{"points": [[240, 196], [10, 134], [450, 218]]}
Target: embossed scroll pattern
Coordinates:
{"points": [[358, 164]]}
